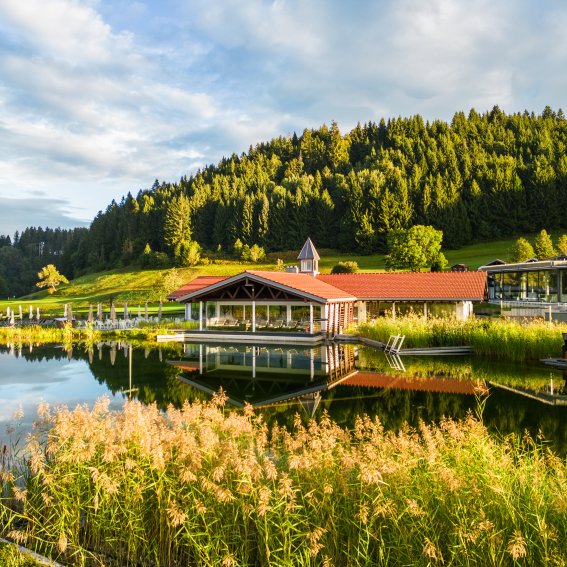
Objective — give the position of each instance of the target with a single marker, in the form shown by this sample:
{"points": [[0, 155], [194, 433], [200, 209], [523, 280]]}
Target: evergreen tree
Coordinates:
{"points": [[177, 226], [543, 246], [562, 244], [521, 251]]}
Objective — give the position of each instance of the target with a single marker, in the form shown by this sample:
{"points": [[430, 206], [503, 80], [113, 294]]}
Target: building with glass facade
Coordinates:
{"points": [[533, 280]]}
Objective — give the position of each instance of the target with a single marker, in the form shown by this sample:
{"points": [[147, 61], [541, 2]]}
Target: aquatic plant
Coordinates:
{"points": [[201, 486], [499, 338]]}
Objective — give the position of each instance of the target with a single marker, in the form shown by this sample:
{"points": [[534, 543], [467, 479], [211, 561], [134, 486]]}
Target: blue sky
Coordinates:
{"points": [[101, 97]]}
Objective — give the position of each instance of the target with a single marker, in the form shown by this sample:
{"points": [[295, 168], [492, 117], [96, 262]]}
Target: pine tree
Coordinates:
{"points": [[543, 246], [521, 251], [177, 225]]}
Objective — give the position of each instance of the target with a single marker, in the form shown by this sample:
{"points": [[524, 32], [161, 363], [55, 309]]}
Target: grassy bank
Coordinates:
{"points": [[497, 338], [201, 487], [67, 334]]}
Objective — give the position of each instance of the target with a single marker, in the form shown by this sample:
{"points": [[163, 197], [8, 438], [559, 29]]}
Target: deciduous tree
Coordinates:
{"points": [[50, 278], [414, 249]]}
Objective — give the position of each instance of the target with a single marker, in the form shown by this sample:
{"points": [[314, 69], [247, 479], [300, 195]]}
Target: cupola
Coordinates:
{"points": [[308, 259]]}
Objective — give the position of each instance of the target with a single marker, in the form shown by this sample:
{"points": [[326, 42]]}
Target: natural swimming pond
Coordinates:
{"points": [[343, 380]]}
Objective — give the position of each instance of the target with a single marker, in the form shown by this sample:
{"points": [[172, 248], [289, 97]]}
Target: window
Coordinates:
{"points": [[306, 265]]}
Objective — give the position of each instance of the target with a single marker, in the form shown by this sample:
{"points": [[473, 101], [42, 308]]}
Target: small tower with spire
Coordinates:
{"points": [[308, 259]]}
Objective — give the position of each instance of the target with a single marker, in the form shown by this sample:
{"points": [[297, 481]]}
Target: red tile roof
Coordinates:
{"points": [[417, 286], [304, 283], [446, 385], [195, 285], [399, 286]]}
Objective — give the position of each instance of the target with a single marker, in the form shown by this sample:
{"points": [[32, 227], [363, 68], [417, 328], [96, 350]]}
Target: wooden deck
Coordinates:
{"points": [[245, 337]]}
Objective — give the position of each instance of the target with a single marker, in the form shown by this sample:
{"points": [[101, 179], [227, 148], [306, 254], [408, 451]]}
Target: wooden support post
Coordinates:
{"points": [[311, 318], [253, 317], [200, 315]]}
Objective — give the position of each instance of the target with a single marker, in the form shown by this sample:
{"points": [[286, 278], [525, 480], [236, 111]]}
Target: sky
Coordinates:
{"points": [[99, 98]]}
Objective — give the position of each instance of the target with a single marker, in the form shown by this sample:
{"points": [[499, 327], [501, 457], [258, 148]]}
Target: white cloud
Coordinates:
{"points": [[61, 28], [101, 96]]}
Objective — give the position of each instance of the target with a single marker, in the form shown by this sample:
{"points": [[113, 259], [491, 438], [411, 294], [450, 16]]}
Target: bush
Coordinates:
{"points": [[154, 260], [257, 253], [345, 268], [188, 254]]}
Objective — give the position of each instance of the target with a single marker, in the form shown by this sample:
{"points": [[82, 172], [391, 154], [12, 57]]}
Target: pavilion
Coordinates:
{"points": [[302, 301]]}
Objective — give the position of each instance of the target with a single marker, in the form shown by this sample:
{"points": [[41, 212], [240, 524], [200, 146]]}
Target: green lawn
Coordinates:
{"points": [[138, 286]]}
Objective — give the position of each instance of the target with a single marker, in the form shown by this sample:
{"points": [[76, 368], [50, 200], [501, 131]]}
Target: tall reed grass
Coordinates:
{"points": [[10, 556], [198, 486], [499, 338], [68, 334]]}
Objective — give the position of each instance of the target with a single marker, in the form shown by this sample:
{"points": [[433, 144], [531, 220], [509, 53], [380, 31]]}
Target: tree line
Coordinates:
{"points": [[479, 177]]}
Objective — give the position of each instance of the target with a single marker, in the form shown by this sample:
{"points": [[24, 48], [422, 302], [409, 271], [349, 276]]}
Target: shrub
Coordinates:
{"points": [[345, 268], [257, 253]]}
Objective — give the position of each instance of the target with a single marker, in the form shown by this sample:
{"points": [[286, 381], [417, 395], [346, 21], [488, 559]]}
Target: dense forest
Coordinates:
{"points": [[482, 176]]}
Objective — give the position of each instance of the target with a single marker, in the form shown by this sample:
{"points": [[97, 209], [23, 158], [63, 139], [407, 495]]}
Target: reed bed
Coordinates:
{"points": [[68, 334], [498, 338], [201, 486]]}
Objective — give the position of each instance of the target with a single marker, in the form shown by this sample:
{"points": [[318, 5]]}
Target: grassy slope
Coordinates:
{"points": [[137, 287]]}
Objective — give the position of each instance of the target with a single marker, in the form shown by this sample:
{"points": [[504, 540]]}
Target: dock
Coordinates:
{"points": [[424, 351]]}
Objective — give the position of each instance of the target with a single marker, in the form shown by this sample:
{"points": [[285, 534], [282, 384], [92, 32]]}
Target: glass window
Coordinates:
{"points": [[533, 285], [211, 310], [564, 285], [497, 284], [550, 290], [232, 312], [441, 309], [406, 308], [511, 286]]}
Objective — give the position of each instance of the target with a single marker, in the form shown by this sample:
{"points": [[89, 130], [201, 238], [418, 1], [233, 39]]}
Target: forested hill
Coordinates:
{"points": [[480, 177]]}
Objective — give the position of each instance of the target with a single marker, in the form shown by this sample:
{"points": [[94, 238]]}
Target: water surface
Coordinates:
{"points": [[281, 381]]}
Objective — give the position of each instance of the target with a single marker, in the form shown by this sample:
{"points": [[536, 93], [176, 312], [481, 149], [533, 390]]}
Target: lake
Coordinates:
{"points": [[343, 380]]}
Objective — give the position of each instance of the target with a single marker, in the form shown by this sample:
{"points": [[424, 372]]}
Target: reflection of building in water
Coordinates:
{"points": [[266, 375], [425, 384], [553, 393], [263, 375]]}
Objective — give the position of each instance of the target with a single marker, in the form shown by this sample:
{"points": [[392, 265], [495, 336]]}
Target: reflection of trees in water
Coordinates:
{"points": [[41, 353], [154, 379], [505, 412], [510, 413]]}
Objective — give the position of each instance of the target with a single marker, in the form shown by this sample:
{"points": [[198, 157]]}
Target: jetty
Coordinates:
{"points": [[395, 342]]}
